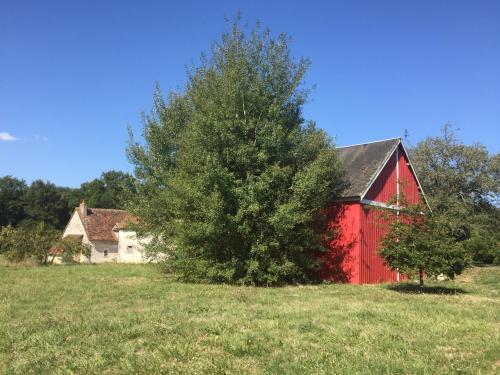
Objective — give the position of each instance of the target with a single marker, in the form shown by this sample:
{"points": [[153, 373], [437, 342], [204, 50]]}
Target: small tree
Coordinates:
{"points": [[68, 249], [22, 243], [12, 244], [40, 240], [419, 243]]}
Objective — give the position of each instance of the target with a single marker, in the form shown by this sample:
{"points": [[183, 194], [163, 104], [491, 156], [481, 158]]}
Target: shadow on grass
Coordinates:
{"points": [[416, 289]]}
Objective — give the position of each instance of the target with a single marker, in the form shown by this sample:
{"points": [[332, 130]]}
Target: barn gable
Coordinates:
{"points": [[362, 163], [376, 172]]}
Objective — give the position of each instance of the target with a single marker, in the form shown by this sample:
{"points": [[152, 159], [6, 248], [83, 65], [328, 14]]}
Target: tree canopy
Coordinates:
{"points": [[233, 180], [462, 186], [12, 191], [42, 201], [109, 191]]}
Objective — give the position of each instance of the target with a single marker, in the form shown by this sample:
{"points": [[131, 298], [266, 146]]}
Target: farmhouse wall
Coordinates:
{"points": [[99, 250], [129, 247]]}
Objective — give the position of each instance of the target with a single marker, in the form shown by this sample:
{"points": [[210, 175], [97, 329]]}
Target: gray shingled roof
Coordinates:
{"points": [[363, 162]]}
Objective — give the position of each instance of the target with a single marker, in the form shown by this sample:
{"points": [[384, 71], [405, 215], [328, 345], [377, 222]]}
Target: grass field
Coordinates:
{"points": [[114, 319]]}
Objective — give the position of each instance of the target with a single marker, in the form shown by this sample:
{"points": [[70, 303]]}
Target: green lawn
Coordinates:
{"points": [[114, 319]]}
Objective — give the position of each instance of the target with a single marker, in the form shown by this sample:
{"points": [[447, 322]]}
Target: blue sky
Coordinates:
{"points": [[74, 75]]}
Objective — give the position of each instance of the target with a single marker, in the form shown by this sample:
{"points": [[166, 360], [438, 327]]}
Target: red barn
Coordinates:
{"points": [[375, 173]]}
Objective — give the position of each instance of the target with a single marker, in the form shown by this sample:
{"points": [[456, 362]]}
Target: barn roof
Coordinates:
{"points": [[100, 222], [363, 162]]}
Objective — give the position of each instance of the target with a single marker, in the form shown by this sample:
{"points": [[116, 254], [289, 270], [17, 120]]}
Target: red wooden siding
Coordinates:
{"points": [[384, 187], [341, 261], [374, 225], [407, 180]]}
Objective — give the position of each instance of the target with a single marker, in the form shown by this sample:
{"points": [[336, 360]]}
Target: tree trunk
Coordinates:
{"points": [[421, 276]]}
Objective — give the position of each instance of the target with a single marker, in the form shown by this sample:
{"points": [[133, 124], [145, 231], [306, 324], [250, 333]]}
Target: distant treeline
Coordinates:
{"points": [[23, 205]]}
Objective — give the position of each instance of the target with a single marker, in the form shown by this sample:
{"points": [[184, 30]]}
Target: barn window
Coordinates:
{"points": [[130, 249], [106, 252]]}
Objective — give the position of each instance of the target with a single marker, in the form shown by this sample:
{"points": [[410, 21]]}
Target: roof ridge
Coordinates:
{"points": [[368, 143]]}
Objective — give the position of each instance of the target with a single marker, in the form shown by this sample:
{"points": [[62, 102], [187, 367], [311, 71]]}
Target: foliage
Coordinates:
{"points": [[44, 202], [11, 207], [233, 180], [22, 205], [484, 247], [484, 241], [12, 244], [419, 242], [462, 184], [109, 191], [22, 243], [69, 249], [454, 174], [27, 206]]}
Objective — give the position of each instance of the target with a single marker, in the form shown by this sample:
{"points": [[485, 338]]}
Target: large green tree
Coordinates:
{"points": [[462, 185], [233, 180]]}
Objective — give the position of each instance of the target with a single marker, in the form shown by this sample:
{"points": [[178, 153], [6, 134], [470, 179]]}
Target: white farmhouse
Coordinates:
{"points": [[105, 231]]}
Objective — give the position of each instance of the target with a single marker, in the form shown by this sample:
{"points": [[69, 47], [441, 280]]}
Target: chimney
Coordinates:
{"points": [[83, 209]]}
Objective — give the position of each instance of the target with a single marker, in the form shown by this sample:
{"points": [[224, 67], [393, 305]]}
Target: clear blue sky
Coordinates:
{"points": [[75, 74]]}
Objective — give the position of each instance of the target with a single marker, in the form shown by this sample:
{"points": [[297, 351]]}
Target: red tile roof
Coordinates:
{"points": [[99, 223]]}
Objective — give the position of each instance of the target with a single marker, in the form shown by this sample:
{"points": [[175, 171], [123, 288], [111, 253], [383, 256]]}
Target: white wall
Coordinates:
{"points": [[99, 248], [75, 227], [129, 247]]}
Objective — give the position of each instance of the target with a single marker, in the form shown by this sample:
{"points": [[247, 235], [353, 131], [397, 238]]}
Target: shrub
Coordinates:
{"points": [[39, 243]]}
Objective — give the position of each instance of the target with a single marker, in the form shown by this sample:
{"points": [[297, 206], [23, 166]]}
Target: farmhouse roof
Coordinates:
{"points": [[100, 222], [362, 164]]}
